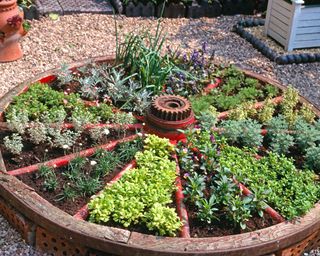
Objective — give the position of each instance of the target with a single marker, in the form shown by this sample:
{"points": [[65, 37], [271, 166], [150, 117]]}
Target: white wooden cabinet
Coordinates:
{"points": [[293, 25]]}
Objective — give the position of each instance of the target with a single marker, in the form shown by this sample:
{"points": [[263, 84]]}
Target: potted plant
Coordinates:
{"points": [[29, 9], [12, 30]]}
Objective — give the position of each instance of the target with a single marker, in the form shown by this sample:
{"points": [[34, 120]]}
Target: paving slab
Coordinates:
{"points": [[48, 6], [73, 6]]}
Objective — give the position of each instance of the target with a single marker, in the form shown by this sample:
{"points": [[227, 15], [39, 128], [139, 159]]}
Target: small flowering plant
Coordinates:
{"points": [[196, 71]]}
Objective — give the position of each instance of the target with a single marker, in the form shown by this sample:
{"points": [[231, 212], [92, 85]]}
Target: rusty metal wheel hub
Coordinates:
{"points": [[169, 113]]}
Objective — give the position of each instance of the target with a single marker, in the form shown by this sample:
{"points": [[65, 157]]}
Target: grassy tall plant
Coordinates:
{"points": [[141, 54]]}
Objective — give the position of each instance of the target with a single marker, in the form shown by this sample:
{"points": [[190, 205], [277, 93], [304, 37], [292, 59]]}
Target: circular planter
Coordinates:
{"points": [[57, 232]]}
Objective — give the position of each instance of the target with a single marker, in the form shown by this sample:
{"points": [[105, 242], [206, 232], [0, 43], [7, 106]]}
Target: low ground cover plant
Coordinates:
{"points": [[210, 168], [142, 195]]}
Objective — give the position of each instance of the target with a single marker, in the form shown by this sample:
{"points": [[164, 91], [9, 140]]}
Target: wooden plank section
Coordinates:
{"points": [[280, 24], [306, 44], [309, 16], [268, 17], [2, 165], [308, 23], [275, 28], [308, 30], [280, 16], [295, 12], [311, 9], [282, 4], [277, 37], [307, 37], [284, 11]]}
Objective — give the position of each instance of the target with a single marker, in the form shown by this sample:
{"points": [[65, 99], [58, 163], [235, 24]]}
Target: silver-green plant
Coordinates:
{"points": [[98, 133], [66, 139], [80, 121], [123, 118], [13, 143], [18, 121], [65, 74], [57, 117], [38, 132]]}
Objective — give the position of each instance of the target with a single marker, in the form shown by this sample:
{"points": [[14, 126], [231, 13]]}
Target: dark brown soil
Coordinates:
{"points": [[224, 227], [34, 154], [69, 206]]}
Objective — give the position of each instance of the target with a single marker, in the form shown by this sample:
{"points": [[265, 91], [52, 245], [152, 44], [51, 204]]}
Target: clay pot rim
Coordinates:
{"points": [[6, 3]]}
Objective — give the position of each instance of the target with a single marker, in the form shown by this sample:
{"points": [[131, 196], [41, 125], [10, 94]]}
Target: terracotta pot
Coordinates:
{"points": [[11, 30]]}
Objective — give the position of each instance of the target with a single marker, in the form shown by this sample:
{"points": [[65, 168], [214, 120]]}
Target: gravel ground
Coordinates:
{"points": [[70, 38], [11, 243]]}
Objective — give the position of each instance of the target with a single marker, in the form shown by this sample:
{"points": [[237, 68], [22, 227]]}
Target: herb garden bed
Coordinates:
{"points": [[234, 182]]}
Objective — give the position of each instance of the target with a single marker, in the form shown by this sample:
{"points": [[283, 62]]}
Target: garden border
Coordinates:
{"points": [[266, 50], [47, 225]]}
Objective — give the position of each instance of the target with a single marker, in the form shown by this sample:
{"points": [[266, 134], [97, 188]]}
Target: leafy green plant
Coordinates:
{"points": [[243, 111], [18, 121], [239, 210], [195, 186], [201, 104], [106, 162], [306, 135], [74, 168], [246, 133], [87, 186], [50, 181], [265, 114], [38, 132], [307, 113], [207, 209], [127, 151], [313, 159], [271, 90], [141, 55], [43, 103], [25, 3], [68, 193], [163, 220], [292, 192], [137, 196], [65, 74], [280, 140], [288, 105]]}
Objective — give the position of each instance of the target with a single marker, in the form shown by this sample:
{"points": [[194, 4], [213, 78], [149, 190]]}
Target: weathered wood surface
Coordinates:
{"points": [[253, 243]]}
